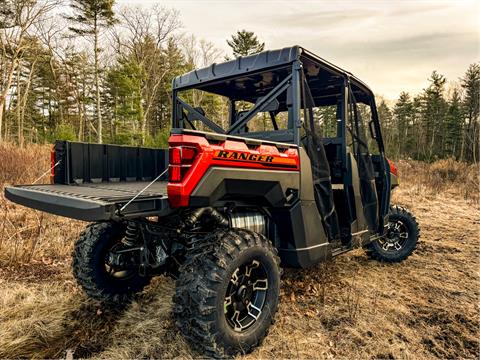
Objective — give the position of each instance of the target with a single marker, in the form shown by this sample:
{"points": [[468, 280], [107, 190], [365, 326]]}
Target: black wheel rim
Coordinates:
{"points": [[245, 296], [114, 271], [396, 236]]}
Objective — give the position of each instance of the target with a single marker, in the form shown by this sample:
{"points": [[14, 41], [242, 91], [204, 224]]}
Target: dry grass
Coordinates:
{"points": [[447, 177], [22, 165], [351, 307], [28, 236]]}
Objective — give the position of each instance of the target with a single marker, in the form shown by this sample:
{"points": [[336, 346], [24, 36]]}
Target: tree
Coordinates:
{"points": [[18, 20], [453, 125], [125, 86], [245, 43], [90, 17], [433, 116], [201, 53], [146, 38], [26, 76], [386, 123], [77, 88], [176, 65], [403, 115], [471, 104], [198, 54], [416, 149], [7, 12]]}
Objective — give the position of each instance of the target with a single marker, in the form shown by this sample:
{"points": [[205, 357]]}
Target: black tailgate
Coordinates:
{"points": [[93, 202]]}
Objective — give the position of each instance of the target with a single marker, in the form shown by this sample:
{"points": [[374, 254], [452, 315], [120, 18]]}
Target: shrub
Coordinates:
{"points": [[447, 170], [441, 176]]}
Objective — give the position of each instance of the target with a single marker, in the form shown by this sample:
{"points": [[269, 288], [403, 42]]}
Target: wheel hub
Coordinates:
{"points": [[245, 292], [245, 296], [117, 262], [395, 237]]}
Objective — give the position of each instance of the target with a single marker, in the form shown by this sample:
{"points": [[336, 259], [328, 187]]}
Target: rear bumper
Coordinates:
{"points": [[84, 207]]}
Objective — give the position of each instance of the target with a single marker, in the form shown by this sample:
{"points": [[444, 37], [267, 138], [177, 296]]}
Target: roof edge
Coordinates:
{"points": [[239, 66], [264, 60]]}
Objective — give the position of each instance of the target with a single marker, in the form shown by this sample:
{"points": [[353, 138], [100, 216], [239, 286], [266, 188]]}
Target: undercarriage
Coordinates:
{"points": [[153, 246]]}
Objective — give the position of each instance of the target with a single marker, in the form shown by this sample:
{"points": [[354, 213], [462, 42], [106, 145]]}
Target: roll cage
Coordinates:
{"points": [[273, 81], [295, 81]]}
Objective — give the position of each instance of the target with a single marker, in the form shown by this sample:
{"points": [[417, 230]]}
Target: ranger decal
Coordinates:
{"points": [[255, 158]]}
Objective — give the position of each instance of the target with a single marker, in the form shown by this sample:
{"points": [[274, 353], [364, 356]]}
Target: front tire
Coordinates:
{"points": [[227, 293], [91, 270], [400, 238]]}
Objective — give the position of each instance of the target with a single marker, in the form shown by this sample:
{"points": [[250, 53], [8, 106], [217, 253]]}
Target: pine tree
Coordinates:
{"points": [[325, 120], [124, 82], [90, 16], [174, 61], [470, 138], [453, 125], [403, 115], [415, 149], [79, 90], [386, 122], [245, 43], [433, 116]]}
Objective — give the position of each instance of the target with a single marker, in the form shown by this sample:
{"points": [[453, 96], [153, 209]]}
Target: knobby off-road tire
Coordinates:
{"points": [[212, 272], [89, 260], [400, 238]]}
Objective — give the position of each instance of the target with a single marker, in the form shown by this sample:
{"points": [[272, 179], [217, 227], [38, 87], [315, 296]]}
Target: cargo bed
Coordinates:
{"points": [[93, 202], [93, 182]]}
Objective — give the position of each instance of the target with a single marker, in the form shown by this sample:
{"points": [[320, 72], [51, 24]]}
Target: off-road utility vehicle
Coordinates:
{"points": [[294, 176]]}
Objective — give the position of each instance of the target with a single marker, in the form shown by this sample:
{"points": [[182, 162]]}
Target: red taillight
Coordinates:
{"points": [[175, 173], [52, 165], [180, 161], [188, 154], [393, 167], [175, 156], [181, 155]]}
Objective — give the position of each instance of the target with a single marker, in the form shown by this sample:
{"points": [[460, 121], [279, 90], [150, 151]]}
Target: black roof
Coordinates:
{"points": [[260, 62]]}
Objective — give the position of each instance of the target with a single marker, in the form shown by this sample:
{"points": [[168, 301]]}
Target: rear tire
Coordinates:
{"points": [[400, 238], [89, 265], [227, 292]]}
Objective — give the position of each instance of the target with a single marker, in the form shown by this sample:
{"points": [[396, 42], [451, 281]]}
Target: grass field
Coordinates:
{"points": [[350, 307]]}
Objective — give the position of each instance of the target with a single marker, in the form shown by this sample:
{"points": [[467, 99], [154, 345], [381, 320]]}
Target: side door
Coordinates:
{"points": [[380, 165], [359, 124]]}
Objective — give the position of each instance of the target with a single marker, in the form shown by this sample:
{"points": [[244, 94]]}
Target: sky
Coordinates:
{"points": [[392, 45]]}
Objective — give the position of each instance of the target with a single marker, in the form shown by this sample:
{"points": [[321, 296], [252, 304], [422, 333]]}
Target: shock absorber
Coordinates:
{"points": [[132, 239], [131, 234]]}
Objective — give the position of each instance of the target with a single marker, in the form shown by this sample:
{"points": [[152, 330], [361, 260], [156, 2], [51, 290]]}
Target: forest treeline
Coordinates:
{"points": [[89, 71]]}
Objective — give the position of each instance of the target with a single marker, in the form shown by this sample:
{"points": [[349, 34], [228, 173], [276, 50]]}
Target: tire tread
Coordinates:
{"points": [[85, 272], [203, 269], [374, 254]]}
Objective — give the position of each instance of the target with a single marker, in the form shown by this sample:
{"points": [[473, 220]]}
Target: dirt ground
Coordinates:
{"points": [[351, 307]]}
